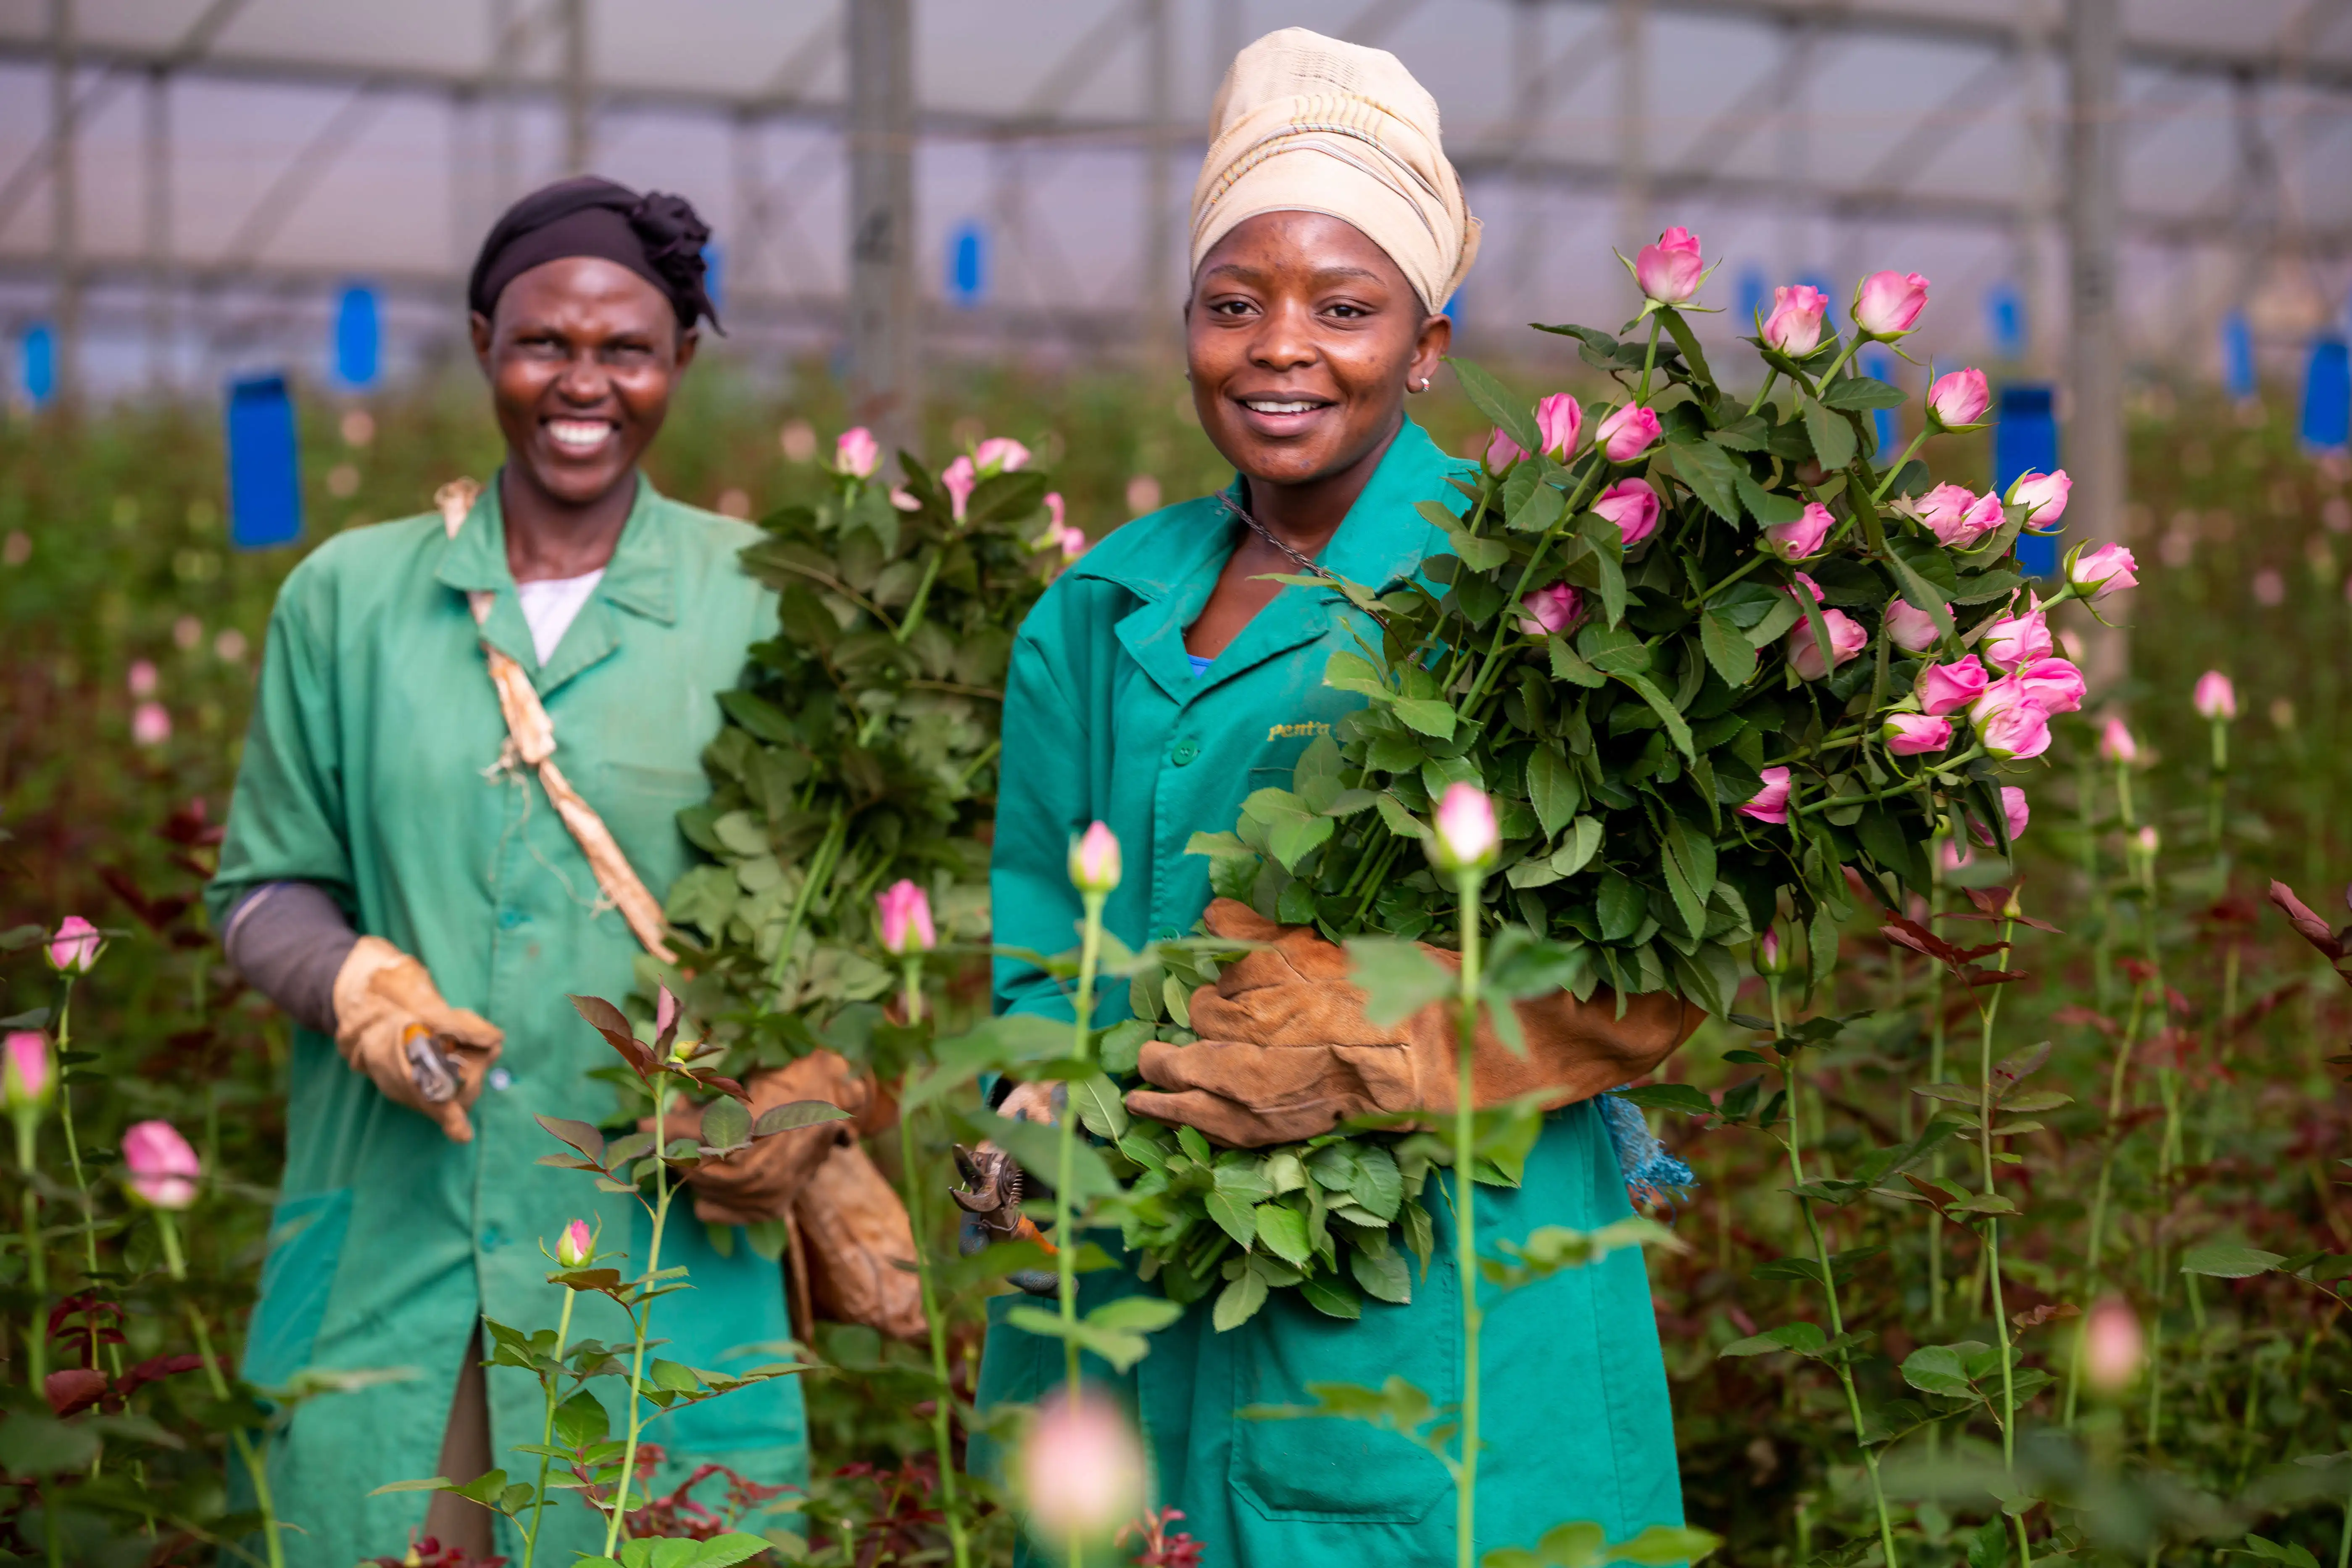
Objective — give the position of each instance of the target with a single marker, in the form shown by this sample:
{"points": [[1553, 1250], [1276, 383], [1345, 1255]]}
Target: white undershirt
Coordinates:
{"points": [[552, 604]]}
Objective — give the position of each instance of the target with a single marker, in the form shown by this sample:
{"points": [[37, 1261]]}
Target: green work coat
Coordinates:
{"points": [[370, 770], [1106, 720]]}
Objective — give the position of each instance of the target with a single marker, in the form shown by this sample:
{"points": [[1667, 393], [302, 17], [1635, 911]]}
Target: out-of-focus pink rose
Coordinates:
{"points": [[2014, 641], [999, 455], [1951, 856], [141, 680], [1072, 541], [904, 910], [1628, 432], [1911, 628], [1916, 734], [1559, 419], [1670, 270], [1552, 609], [1958, 400], [1081, 1469], [2216, 698], [2146, 841], [2014, 811], [1795, 327], [73, 947], [2116, 743], [1887, 305], [2113, 1349], [901, 498], [2054, 685], [1094, 860], [1632, 506], [1502, 451], [1770, 803], [958, 478], [151, 724], [1055, 509], [1948, 687], [164, 1169], [2096, 572], [576, 1247], [2016, 733], [1797, 539], [1466, 837], [2042, 496], [26, 1072], [856, 453], [1847, 638]]}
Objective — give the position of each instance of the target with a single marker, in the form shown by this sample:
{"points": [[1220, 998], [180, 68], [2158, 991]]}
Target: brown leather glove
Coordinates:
{"points": [[391, 1024], [1285, 1052], [760, 1183], [859, 1244]]}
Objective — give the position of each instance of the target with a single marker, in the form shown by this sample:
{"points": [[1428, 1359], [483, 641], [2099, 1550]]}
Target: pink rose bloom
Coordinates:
{"points": [[2116, 743], [903, 912], [1081, 1469], [1948, 687], [958, 478], [2016, 733], [1770, 803], [1911, 628], [1552, 609], [1072, 541], [1095, 860], [1951, 856], [1632, 506], [74, 949], [2096, 572], [1628, 432], [1670, 270], [1795, 540], [2014, 641], [1887, 305], [2013, 810], [164, 1169], [2043, 496], [1502, 451], [1795, 327], [151, 724], [1466, 835], [1958, 516], [1000, 455], [1846, 639], [1055, 509], [2112, 1346], [2054, 685], [1960, 400], [142, 677], [2215, 698], [1916, 734], [25, 1070], [1559, 419], [856, 454]]}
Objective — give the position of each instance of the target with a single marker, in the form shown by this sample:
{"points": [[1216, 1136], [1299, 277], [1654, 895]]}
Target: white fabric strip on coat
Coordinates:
{"points": [[552, 604]]}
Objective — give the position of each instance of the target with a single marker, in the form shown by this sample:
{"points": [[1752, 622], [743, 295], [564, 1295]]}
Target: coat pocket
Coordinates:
{"points": [[1325, 1469], [306, 1246]]}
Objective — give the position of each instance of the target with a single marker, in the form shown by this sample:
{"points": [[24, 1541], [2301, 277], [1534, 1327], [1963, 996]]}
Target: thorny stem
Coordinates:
{"points": [[177, 1265], [643, 1317], [1894, 469], [1065, 1251], [1465, 1239], [943, 1403], [819, 868], [1649, 358], [1771, 374], [547, 1433], [1935, 1075]]}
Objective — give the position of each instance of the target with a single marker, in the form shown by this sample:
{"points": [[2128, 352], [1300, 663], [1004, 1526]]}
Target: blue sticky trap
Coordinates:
{"points": [[2005, 319], [1755, 299], [2238, 358], [2024, 441], [2327, 396], [36, 358], [714, 276], [1885, 425], [967, 265], [265, 479], [358, 337]]}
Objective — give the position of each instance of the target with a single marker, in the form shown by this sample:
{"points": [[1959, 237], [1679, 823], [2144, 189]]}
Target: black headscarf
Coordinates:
{"points": [[658, 236]]}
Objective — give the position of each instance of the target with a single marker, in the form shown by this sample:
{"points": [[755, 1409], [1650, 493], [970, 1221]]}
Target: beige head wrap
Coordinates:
{"points": [[1307, 123]]}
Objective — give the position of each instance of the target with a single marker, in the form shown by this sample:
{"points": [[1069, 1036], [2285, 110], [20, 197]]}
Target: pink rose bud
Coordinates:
{"points": [[1846, 639], [1000, 455], [1073, 542], [151, 724], [142, 679], [1055, 509], [1552, 609], [2042, 496], [1795, 327], [1081, 1469], [1094, 860], [28, 1075], [2116, 743], [1466, 836], [2013, 812], [1958, 516], [1951, 856], [2146, 841], [856, 454], [164, 1169], [2112, 1346], [901, 498], [575, 1248], [1916, 734], [1559, 419], [1948, 687], [1772, 957], [1632, 506], [1628, 432], [2054, 685], [2015, 732], [1670, 270], [2015, 640], [1887, 305], [2097, 573], [664, 1010], [1958, 400], [1911, 628], [1502, 451], [1770, 803], [74, 948], [904, 911], [2216, 698], [1806, 581], [1795, 540], [959, 480]]}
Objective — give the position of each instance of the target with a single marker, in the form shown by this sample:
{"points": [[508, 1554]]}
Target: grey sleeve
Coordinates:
{"points": [[289, 940]]}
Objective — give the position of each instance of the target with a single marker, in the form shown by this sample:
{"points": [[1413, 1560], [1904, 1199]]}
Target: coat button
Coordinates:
{"points": [[509, 919], [1183, 752], [501, 1079], [1165, 933]]}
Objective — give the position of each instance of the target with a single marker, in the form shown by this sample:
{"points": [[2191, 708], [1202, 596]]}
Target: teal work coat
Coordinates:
{"points": [[1105, 720], [368, 770]]}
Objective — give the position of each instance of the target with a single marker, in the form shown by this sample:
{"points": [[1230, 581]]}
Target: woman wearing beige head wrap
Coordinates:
{"points": [[1164, 677]]}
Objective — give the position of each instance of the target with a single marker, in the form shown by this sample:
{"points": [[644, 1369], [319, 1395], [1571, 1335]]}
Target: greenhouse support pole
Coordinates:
{"points": [[65, 216], [156, 137], [882, 299], [2094, 425], [1161, 302], [1632, 111], [579, 125]]}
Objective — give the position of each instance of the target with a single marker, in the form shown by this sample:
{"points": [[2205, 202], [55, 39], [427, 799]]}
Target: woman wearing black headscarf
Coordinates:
{"points": [[398, 874]]}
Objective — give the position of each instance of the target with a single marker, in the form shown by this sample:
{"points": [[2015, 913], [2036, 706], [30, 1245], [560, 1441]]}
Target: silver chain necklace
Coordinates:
{"points": [[1305, 564]]}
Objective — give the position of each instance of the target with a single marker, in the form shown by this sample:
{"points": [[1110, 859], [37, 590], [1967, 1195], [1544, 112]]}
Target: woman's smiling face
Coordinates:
{"points": [[1301, 336]]}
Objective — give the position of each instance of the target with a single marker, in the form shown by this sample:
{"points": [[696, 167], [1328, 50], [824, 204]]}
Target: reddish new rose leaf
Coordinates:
{"points": [[2307, 925], [610, 1022], [1910, 934], [2075, 1013], [74, 1390], [156, 1368]]}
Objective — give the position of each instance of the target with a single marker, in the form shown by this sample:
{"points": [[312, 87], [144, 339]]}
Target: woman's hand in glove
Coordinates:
{"points": [[383, 999], [761, 1181], [1285, 1052]]}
